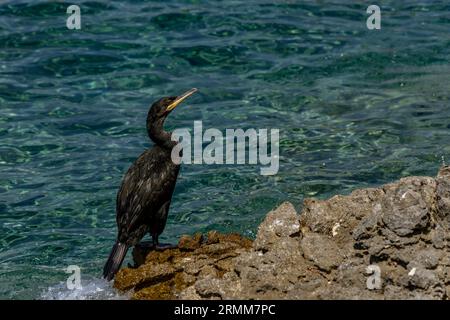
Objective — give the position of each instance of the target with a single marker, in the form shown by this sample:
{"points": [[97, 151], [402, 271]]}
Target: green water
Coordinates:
{"points": [[355, 108]]}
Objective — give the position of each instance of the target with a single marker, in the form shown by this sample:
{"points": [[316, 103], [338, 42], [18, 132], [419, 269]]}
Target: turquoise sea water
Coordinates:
{"points": [[355, 108]]}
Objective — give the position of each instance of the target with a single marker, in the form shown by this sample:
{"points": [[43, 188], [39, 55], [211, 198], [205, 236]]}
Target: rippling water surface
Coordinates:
{"points": [[355, 108]]}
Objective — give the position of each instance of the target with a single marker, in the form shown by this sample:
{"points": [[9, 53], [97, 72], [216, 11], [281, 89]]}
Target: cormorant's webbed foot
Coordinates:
{"points": [[161, 246], [165, 246], [145, 245]]}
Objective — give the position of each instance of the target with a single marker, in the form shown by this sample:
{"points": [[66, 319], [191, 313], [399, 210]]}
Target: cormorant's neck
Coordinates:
{"points": [[156, 132]]}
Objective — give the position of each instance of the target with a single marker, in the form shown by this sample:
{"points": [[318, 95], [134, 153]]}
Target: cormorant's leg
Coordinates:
{"points": [[159, 227]]}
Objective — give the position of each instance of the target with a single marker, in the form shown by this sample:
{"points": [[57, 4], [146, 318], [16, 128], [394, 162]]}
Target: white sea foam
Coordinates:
{"points": [[92, 289]]}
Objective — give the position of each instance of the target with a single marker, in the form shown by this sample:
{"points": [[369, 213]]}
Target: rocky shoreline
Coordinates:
{"points": [[391, 242]]}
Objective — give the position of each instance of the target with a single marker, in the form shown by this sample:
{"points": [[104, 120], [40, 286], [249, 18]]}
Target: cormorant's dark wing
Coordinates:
{"points": [[147, 185]]}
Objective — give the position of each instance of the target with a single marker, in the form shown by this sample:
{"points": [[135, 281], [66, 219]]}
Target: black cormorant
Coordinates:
{"points": [[144, 197]]}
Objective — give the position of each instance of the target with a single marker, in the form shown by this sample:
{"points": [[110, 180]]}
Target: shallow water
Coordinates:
{"points": [[355, 108]]}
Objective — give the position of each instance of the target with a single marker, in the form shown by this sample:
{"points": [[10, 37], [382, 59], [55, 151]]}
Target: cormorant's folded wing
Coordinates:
{"points": [[143, 188]]}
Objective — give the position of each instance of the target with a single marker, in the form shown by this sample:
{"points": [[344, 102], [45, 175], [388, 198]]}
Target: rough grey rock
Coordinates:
{"points": [[443, 197], [401, 228], [278, 224], [321, 250], [406, 206], [422, 278]]}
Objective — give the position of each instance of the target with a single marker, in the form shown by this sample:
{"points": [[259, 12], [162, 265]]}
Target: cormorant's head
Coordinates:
{"points": [[158, 113], [161, 108]]}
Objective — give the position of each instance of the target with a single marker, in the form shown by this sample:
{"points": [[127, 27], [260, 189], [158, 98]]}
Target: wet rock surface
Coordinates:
{"points": [[391, 242]]}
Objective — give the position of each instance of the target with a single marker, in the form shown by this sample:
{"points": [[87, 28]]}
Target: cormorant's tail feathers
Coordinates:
{"points": [[115, 260]]}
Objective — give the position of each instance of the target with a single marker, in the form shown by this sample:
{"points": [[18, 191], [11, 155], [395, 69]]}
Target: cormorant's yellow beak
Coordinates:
{"points": [[179, 99]]}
